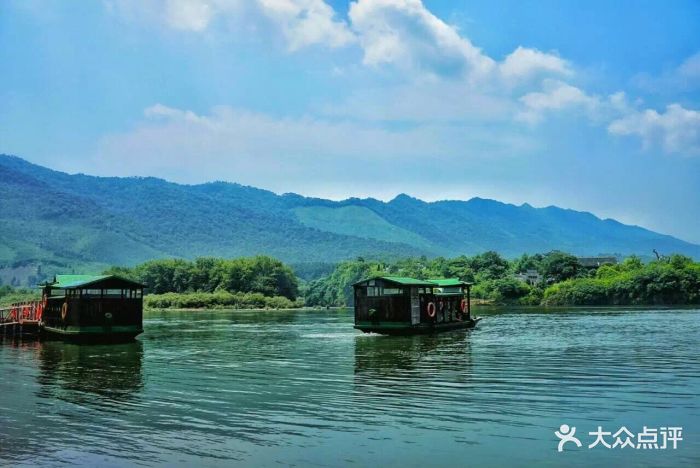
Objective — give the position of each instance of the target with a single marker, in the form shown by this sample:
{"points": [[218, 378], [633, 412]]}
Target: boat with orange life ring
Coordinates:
{"points": [[394, 305], [431, 309]]}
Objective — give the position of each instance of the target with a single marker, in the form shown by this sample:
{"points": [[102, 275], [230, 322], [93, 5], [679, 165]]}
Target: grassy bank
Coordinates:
{"points": [[675, 281], [220, 300], [10, 295]]}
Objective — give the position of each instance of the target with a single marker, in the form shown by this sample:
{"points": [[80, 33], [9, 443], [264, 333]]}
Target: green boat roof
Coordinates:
{"points": [[402, 280], [406, 281], [77, 281], [448, 282]]}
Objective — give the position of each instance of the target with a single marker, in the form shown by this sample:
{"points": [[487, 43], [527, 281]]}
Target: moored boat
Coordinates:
{"points": [[88, 307], [395, 305]]}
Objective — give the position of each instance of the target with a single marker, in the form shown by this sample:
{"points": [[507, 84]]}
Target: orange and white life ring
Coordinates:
{"points": [[463, 305], [64, 311], [431, 309]]}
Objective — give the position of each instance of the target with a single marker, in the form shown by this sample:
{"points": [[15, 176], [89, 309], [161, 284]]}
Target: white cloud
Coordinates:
{"points": [[685, 77], [556, 96], [407, 34], [188, 15], [404, 32], [690, 69], [279, 153], [443, 101], [307, 22], [676, 131], [439, 77], [523, 63], [301, 22]]}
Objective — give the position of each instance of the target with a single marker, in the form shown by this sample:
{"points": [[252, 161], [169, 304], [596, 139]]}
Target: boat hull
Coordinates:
{"points": [[94, 334], [388, 328]]}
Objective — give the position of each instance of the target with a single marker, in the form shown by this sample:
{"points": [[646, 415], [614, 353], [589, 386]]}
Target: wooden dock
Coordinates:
{"points": [[21, 318]]}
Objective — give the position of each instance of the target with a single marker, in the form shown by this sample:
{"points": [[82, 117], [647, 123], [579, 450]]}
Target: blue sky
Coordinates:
{"points": [[587, 105]]}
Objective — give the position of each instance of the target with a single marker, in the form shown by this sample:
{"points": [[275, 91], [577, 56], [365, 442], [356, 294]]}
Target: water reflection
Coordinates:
{"points": [[79, 372], [422, 381], [222, 388], [392, 356]]}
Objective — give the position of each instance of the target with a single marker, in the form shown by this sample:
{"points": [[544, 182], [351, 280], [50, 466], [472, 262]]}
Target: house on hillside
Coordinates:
{"points": [[531, 277]]}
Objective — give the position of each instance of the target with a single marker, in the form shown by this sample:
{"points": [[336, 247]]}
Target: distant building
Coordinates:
{"points": [[531, 277], [595, 262]]}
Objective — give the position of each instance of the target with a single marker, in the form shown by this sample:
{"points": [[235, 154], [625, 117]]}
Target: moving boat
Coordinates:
{"points": [[395, 305]]}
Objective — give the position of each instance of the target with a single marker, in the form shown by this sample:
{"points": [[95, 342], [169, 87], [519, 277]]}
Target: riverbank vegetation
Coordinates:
{"points": [[260, 274], [246, 283], [219, 299], [556, 278], [551, 279], [10, 295], [675, 280]]}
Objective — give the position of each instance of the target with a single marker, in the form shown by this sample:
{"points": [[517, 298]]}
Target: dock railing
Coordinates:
{"points": [[21, 312]]}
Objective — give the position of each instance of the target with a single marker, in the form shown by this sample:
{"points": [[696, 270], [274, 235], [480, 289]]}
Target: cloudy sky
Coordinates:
{"points": [[587, 105]]}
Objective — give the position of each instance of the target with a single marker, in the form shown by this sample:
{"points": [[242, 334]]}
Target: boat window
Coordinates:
{"points": [[138, 293], [372, 291], [392, 291], [92, 292], [371, 283], [113, 292]]}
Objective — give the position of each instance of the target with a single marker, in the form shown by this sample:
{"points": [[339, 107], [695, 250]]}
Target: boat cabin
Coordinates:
{"points": [[104, 306], [401, 305]]}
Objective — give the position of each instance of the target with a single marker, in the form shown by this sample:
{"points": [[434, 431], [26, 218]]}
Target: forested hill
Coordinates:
{"points": [[61, 222]]}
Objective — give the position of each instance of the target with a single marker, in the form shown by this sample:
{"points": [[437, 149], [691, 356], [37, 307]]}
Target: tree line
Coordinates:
{"points": [[264, 282], [562, 279], [673, 280], [260, 274]]}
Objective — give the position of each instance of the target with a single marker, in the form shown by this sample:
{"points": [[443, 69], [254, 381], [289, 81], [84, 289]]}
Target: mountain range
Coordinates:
{"points": [[52, 221]]}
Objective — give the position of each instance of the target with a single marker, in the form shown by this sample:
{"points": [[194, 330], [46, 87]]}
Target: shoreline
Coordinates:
{"points": [[198, 309], [483, 306]]}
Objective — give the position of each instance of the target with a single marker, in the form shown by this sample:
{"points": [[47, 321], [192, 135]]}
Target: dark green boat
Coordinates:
{"points": [[92, 308], [394, 305]]}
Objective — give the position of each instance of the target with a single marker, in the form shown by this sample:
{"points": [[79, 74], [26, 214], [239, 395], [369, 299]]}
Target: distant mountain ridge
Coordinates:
{"points": [[57, 221]]}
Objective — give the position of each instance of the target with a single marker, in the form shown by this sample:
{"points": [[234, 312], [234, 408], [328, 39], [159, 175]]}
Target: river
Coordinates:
{"points": [[302, 388]]}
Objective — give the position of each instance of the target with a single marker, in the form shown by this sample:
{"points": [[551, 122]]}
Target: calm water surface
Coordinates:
{"points": [[303, 388]]}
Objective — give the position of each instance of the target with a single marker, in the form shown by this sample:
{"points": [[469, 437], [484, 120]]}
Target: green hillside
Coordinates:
{"points": [[52, 221], [359, 221]]}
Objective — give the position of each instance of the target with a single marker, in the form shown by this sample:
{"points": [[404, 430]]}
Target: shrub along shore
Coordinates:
{"points": [[560, 279], [219, 300], [266, 283]]}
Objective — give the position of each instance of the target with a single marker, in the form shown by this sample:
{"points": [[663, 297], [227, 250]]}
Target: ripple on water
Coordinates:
{"points": [[221, 387]]}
